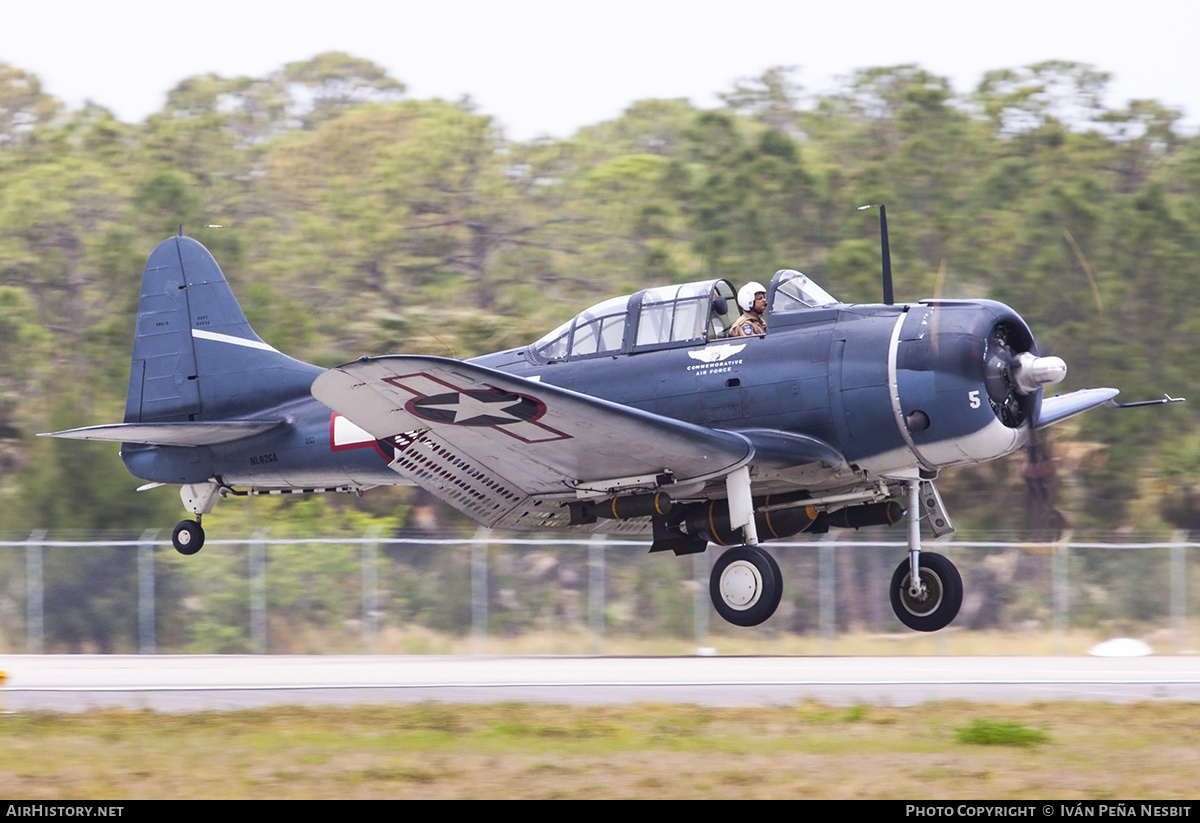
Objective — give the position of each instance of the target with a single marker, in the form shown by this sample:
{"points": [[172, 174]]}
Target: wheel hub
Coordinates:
{"points": [[741, 585], [929, 598]]}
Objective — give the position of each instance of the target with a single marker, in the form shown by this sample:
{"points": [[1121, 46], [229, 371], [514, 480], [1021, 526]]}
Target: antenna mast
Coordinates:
{"points": [[886, 251]]}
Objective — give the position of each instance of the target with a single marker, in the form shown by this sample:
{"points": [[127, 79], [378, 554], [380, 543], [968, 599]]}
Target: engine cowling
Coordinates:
{"points": [[968, 380]]}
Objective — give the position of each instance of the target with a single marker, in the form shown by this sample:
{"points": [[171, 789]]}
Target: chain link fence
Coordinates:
{"points": [[492, 594]]}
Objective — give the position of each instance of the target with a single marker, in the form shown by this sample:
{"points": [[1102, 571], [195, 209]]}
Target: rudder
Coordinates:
{"points": [[195, 356]]}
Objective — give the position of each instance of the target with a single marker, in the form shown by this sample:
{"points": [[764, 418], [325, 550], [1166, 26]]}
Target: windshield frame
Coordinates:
{"points": [[792, 290]]}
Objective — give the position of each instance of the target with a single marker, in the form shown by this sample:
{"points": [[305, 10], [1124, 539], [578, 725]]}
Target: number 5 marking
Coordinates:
{"points": [[973, 398]]}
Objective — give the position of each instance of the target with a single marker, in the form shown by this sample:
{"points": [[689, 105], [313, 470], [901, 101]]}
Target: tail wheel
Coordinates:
{"points": [[745, 586], [188, 537], [940, 598]]}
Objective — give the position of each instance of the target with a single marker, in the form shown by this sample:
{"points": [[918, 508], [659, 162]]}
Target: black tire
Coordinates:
{"points": [[943, 598], [188, 537], [745, 585], [778, 577]]}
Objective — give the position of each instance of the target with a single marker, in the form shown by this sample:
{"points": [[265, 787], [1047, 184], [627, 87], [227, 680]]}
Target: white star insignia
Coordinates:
{"points": [[467, 407]]}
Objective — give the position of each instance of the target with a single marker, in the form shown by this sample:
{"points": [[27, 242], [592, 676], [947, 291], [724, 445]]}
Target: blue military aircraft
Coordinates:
{"points": [[641, 415]]}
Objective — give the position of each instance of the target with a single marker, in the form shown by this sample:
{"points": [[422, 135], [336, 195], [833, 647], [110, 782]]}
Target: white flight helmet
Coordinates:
{"points": [[746, 294]]}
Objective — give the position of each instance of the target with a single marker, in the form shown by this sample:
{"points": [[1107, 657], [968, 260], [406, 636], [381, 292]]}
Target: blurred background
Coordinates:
{"points": [[355, 218]]}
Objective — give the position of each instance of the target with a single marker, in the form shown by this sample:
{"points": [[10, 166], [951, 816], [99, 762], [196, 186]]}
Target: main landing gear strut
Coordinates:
{"points": [[746, 584], [926, 590]]}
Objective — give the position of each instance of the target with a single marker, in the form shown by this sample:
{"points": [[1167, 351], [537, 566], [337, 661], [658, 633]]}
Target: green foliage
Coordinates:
{"points": [[321, 88], [22, 343], [855, 714], [984, 732], [24, 108], [77, 487]]}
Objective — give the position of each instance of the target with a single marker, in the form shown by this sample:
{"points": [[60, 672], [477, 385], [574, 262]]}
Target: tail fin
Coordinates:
{"points": [[194, 355]]}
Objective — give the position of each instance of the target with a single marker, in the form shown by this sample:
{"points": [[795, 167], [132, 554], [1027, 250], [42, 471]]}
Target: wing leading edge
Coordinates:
{"points": [[170, 434], [505, 450], [1062, 406]]}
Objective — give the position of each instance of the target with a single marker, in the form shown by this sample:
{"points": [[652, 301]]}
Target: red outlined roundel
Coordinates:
{"points": [[438, 401], [477, 407]]}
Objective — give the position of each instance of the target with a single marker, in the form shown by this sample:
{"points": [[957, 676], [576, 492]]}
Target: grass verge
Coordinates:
{"points": [[434, 750]]}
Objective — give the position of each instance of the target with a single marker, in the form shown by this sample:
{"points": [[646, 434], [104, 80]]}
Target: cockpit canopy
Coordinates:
{"points": [[667, 317]]}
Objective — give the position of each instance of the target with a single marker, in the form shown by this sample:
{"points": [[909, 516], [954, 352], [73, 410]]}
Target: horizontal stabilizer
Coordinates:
{"points": [[170, 434], [1061, 406]]}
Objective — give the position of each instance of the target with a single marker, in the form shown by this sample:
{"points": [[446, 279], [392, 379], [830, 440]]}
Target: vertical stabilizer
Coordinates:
{"points": [[195, 356]]}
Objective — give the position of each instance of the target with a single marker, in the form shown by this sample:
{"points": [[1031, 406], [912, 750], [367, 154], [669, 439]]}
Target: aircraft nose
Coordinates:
{"points": [[1032, 372], [1013, 371]]}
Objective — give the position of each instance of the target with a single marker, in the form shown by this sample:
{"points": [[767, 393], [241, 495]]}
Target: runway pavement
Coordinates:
{"points": [[180, 683]]}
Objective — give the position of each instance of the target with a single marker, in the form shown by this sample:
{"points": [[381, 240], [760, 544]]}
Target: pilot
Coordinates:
{"points": [[752, 300]]}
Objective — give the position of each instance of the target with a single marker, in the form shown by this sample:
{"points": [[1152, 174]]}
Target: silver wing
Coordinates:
{"points": [[509, 452]]}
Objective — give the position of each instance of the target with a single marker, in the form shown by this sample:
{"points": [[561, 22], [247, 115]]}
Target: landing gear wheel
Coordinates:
{"points": [[745, 585], [778, 581], [188, 537], [938, 605]]}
